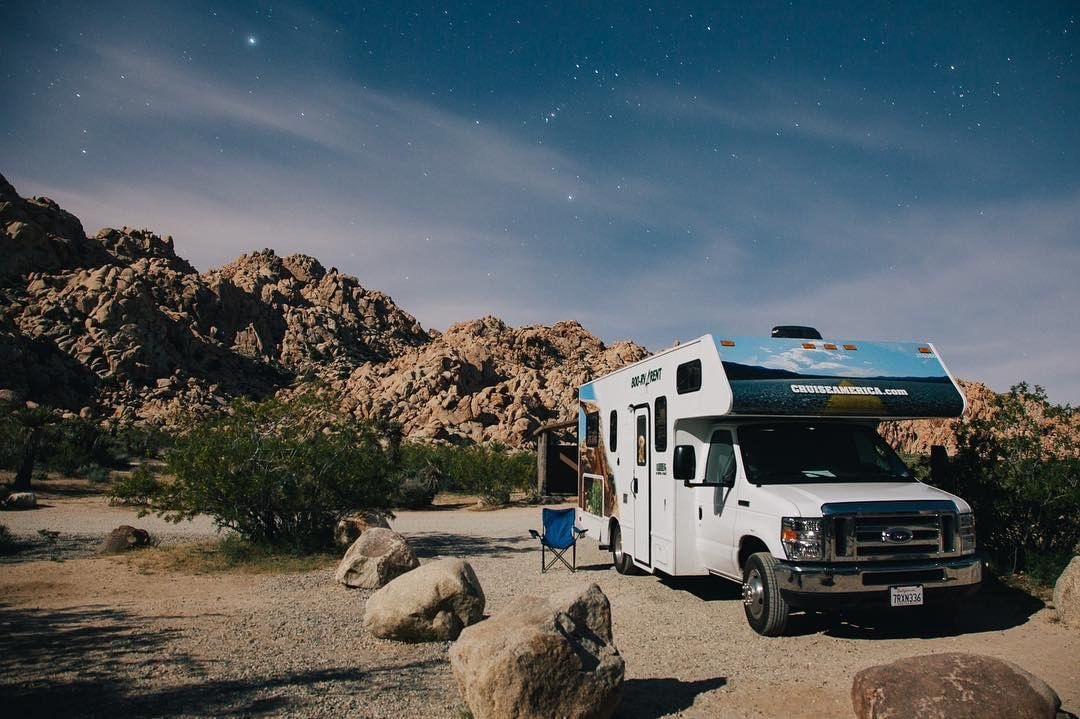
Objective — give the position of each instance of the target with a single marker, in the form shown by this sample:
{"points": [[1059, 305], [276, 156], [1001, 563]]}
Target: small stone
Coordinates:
{"points": [[124, 538]]}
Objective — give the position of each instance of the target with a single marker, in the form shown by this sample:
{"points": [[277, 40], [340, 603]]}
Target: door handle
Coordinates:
{"points": [[633, 486], [699, 512]]}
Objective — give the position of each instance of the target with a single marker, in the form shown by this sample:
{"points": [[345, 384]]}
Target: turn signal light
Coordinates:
{"points": [[727, 343], [830, 346], [850, 347], [809, 346], [925, 350]]}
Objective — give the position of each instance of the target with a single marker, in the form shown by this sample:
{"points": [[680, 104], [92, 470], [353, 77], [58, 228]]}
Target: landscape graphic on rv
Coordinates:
{"points": [[598, 492], [770, 376]]}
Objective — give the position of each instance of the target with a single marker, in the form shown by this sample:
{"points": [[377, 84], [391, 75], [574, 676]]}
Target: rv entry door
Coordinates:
{"points": [[642, 486]]}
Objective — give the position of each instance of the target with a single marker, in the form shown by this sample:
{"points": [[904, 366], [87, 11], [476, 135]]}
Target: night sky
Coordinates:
{"points": [[877, 170]]}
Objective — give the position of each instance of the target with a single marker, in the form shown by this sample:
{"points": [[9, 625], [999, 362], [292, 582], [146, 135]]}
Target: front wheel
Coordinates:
{"points": [[766, 610], [624, 563]]}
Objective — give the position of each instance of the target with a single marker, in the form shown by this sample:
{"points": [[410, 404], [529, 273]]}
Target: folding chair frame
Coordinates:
{"points": [[559, 555]]}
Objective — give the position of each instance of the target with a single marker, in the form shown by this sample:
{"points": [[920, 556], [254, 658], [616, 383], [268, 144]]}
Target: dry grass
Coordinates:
{"points": [[227, 555]]}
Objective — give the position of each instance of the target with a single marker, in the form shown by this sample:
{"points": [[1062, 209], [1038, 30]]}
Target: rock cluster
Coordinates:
{"points": [[118, 327], [484, 381]]}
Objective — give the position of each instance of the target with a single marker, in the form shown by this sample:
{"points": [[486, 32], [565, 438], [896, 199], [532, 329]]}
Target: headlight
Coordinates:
{"points": [[803, 539], [967, 532]]}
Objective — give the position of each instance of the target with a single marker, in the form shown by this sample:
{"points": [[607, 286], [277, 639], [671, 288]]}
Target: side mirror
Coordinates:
{"points": [[685, 462]]}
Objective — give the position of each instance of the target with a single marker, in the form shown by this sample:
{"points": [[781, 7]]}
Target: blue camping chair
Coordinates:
{"points": [[559, 535]]}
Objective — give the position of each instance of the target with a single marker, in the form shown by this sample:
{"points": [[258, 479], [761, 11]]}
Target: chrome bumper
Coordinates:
{"points": [[878, 576]]}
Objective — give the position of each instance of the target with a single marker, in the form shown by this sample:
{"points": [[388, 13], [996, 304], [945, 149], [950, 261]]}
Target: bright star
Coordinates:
{"points": [[252, 40]]}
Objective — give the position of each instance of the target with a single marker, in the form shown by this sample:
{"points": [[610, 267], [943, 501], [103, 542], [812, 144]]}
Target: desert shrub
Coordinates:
{"points": [[95, 473], [137, 488], [491, 471], [279, 473], [1020, 470], [140, 442], [418, 476]]}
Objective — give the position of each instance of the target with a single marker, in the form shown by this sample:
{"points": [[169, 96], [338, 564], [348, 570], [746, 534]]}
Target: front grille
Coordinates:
{"points": [[878, 579], [872, 534]]}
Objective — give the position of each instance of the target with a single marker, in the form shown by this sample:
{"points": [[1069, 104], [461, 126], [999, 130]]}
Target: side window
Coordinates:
{"points": [[642, 441], [660, 430], [592, 429], [613, 430], [688, 377], [721, 460]]}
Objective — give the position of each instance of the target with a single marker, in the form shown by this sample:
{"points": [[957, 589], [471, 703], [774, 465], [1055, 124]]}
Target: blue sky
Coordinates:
{"points": [[876, 170]]}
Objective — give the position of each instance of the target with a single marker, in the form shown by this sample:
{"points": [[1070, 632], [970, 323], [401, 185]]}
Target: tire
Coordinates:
{"points": [[624, 563], [766, 610]]}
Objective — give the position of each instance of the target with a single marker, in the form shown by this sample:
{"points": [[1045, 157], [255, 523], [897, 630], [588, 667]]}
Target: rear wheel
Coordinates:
{"points": [[624, 563], [766, 610]]}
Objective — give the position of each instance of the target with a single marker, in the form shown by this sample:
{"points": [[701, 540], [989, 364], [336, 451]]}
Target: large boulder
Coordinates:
{"points": [[1067, 594], [124, 538], [951, 686], [21, 500], [378, 556], [542, 658], [349, 528], [429, 604]]}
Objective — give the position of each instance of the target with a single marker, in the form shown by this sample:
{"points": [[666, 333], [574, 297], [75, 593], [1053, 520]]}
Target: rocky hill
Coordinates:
{"points": [[118, 327]]}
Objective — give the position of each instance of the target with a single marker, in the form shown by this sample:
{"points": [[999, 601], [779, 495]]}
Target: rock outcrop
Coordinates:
{"points": [[118, 327], [429, 604], [951, 686], [1067, 594], [540, 658], [378, 556], [484, 381]]}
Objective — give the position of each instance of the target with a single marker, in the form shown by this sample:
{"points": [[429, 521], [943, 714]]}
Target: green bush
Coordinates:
{"points": [[1020, 471], [491, 471], [419, 475], [278, 473], [138, 487], [95, 473]]}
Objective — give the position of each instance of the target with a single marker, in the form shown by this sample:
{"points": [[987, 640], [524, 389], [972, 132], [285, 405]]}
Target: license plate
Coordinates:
{"points": [[906, 596]]}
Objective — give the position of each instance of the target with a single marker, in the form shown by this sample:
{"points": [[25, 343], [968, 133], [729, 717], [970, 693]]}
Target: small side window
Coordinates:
{"points": [[660, 428], [613, 430], [642, 441], [688, 377], [592, 429]]}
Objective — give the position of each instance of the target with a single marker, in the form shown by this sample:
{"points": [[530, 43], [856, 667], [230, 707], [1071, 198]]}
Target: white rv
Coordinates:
{"points": [[757, 459]]}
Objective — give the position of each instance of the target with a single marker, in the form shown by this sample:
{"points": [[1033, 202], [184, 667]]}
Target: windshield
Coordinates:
{"points": [[803, 452]]}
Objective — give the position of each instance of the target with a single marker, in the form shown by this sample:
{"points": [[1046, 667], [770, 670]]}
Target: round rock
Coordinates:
{"points": [[378, 556], [429, 604]]}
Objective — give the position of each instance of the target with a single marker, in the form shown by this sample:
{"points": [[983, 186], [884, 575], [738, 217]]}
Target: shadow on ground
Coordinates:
{"points": [[646, 698], [996, 608], [100, 661], [433, 544]]}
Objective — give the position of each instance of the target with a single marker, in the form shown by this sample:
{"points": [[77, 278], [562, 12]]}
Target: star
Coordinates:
{"points": [[252, 40]]}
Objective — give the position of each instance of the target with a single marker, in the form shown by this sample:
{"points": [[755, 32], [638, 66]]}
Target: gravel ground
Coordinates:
{"points": [[98, 636]]}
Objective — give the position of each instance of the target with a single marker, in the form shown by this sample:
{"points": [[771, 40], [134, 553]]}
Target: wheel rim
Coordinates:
{"points": [[616, 547], [754, 594]]}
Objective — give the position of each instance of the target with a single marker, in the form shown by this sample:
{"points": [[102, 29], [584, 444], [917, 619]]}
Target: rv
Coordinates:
{"points": [[757, 459]]}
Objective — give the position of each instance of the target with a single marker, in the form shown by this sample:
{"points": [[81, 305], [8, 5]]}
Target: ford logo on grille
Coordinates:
{"points": [[897, 535]]}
